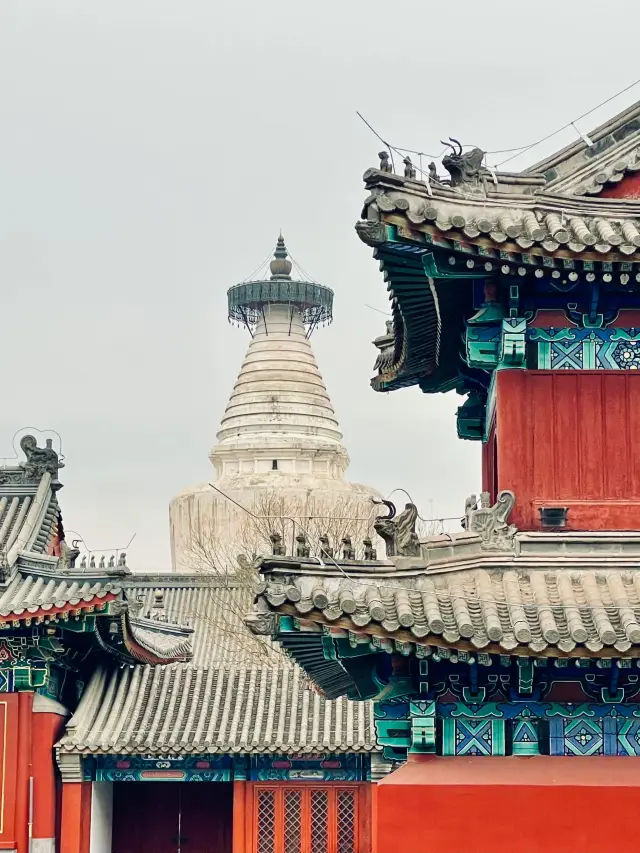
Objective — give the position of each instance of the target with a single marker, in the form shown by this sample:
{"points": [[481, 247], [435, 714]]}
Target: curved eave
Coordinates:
{"points": [[424, 646], [537, 223], [428, 316], [177, 645], [74, 607]]}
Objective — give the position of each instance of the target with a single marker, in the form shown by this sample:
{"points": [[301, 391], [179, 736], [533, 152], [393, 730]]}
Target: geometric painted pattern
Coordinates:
{"points": [[343, 767], [469, 736], [586, 349], [628, 739], [626, 355], [578, 736], [525, 737], [518, 727]]}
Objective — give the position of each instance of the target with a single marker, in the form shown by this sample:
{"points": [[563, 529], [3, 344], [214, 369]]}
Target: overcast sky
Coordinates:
{"points": [[150, 150]]}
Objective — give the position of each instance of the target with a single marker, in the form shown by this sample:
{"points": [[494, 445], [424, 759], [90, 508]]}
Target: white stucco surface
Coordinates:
{"points": [[101, 817]]}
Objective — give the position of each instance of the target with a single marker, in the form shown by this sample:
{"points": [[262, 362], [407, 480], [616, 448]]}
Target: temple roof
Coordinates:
{"points": [[488, 590], [241, 693], [556, 221], [37, 593], [40, 582], [505, 609], [580, 168], [595, 228]]}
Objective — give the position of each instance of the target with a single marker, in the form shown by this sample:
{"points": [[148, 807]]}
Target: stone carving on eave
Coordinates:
{"points": [[465, 168], [38, 461], [490, 522], [399, 533]]}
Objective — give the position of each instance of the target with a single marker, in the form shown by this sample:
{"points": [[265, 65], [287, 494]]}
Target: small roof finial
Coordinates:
{"points": [[280, 266]]}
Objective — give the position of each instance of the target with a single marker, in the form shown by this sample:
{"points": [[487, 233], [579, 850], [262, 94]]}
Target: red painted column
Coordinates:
{"points": [[24, 772], [8, 769], [46, 729], [239, 817], [374, 817], [75, 825], [365, 793]]}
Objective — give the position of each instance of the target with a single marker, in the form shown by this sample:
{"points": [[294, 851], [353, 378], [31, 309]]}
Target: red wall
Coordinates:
{"points": [[570, 438], [26, 753], [509, 805], [628, 187]]}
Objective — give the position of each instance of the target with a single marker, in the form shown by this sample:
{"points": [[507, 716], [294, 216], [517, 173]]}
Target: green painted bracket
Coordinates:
{"points": [[512, 344]]}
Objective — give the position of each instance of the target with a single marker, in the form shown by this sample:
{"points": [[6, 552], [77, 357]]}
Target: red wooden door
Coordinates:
{"points": [[172, 817], [206, 812], [144, 817]]}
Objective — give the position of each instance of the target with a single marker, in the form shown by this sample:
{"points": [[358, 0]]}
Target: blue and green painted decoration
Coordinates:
{"points": [[341, 767]]}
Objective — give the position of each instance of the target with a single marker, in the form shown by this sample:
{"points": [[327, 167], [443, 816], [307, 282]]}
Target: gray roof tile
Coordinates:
{"points": [[502, 609], [241, 693]]}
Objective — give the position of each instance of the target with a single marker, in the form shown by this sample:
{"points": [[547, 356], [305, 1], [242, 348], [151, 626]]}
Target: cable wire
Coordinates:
{"points": [[515, 152]]}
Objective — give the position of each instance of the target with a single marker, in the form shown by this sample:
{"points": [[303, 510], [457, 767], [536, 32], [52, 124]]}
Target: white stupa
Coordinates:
{"points": [[279, 444]]}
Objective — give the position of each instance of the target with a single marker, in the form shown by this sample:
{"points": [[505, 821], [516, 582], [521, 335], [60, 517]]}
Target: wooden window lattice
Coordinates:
{"points": [[306, 819], [319, 821], [346, 821], [292, 821], [266, 822]]}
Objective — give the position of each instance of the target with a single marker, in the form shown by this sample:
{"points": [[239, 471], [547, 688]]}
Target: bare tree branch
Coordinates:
{"points": [[231, 561]]}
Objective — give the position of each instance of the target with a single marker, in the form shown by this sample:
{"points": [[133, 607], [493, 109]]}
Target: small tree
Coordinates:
{"points": [[231, 560]]}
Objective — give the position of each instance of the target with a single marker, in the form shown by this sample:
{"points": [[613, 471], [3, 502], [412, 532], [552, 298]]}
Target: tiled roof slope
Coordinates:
{"points": [[214, 709], [500, 610], [583, 169], [29, 513], [555, 594], [241, 693]]}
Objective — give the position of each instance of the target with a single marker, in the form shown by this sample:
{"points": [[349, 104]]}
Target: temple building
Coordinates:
{"points": [[58, 621], [503, 661], [139, 709], [279, 448]]}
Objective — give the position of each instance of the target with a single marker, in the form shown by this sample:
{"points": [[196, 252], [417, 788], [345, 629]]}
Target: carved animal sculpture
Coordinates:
{"points": [[277, 548], [348, 551], [302, 549], [409, 168], [40, 460], [399, 534], [369, 550], [464, 168], [385, 164], [326, 551]]}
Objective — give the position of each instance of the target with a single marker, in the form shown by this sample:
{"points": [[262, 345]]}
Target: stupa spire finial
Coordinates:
{"points": [[280, 266]]}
